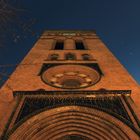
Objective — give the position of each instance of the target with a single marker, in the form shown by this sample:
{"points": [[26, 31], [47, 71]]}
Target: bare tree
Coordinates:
{"points": [[15, 25], [15, 21]]}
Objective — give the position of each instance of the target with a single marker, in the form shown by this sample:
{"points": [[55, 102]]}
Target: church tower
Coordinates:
{"points": [[70, 87]]}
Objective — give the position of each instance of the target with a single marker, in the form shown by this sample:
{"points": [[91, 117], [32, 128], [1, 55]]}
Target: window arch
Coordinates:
{"points": [[70, 56], [54, 56], [86, 56]]}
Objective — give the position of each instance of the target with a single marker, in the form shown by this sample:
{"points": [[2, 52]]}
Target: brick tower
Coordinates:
{"points": [[70, 87]]}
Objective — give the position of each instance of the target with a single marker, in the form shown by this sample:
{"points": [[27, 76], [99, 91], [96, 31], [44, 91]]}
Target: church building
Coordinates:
{"points": [[70, 87]]}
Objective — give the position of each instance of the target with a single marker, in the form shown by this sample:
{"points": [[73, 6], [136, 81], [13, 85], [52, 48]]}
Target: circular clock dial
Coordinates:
{"points": [[70, 76]]}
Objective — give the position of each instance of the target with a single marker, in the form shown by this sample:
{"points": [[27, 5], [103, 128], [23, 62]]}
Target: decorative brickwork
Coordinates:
{"points": [[70, 87], [72, 120], [111, 105]]}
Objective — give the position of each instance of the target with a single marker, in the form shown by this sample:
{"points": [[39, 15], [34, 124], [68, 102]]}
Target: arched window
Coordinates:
{"points": [[70, 56], [86, 56], [59, 45], [54, 56]]}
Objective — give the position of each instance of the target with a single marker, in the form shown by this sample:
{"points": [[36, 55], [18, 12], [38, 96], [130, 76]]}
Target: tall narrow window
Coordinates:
{"points": [[59, 45], [79, 45], [70, 56]]}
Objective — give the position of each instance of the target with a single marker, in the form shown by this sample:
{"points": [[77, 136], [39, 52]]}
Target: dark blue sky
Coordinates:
{"points": [[116, 22]]}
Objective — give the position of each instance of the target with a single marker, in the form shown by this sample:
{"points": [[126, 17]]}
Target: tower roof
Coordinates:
{"points": [[70, 31]]}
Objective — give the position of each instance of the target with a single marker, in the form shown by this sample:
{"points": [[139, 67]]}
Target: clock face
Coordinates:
{"points": [[70, 76]]}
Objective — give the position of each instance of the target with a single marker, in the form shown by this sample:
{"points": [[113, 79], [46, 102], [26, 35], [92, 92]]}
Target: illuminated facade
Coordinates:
{"points": [[70, 87]]}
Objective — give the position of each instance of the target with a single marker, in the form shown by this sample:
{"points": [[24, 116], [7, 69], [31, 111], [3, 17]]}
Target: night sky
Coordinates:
{"points": [[117, 22]]}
